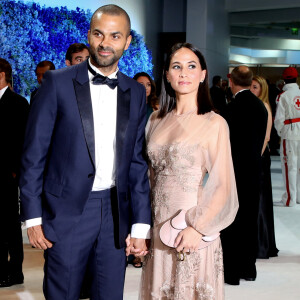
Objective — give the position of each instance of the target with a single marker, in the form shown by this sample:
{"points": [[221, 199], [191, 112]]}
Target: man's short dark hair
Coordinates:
{"points": [[45, 63], [6, 68], [241, 76], [75, 48], [112, 10], [216, 79]]}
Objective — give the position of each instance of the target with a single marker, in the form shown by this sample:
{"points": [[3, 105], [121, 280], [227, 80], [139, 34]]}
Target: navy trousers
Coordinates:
{"points": [[91, 240]]}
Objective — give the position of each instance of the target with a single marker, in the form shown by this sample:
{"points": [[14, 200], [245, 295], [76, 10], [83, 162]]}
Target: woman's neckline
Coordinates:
{"points": [[184, 114]]}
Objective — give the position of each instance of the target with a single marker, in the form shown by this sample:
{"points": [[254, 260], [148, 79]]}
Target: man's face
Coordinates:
{"points": [[40, 71], [78, 57], [108, 39]]}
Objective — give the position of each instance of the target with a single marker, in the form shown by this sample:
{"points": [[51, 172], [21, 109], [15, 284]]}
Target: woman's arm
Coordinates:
{"points": [[269, 127]]}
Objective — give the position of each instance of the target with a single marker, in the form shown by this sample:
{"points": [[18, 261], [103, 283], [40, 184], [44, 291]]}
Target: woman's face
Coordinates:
{"points": [[255, 88], [146, 83], [185, 72]]}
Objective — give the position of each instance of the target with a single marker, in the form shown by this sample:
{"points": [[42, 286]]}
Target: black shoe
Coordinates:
{"points": [[5, 282], [249, 278], [17, 278], [84, 295], [232, 281]]}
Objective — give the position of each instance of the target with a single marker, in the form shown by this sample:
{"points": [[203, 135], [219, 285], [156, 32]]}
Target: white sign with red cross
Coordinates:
{"points": [[297, 102]]}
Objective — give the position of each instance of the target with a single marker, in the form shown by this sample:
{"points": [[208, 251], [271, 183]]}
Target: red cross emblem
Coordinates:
{"points": [[297, 102]]}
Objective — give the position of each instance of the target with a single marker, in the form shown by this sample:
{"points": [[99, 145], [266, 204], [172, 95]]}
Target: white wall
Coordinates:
{"points": [[208, 29]]}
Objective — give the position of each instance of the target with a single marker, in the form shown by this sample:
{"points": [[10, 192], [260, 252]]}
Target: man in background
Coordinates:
{"points": [[287, 124], [76, 54], [247, 120], [217, 94], [41, 68], [13, 116]]}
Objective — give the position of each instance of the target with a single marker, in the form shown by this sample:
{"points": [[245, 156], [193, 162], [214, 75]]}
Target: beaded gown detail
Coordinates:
{"points": [[181, 150]]}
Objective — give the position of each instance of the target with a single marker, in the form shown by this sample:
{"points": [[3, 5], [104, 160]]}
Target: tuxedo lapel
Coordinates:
{"points": [[123, 109], [84, 102]]}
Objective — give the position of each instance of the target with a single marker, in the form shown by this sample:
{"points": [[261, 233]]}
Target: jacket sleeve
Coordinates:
{"points": [[280, 116], [40, 124], [138, 179]]}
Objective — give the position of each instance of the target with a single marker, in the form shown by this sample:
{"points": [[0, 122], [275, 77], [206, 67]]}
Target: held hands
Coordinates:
{"points": [[137, 247], [188, 240], [37, 238]]}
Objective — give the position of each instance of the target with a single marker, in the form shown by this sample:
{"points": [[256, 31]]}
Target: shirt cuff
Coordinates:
{"points": [[31, 223], [140, 231]]}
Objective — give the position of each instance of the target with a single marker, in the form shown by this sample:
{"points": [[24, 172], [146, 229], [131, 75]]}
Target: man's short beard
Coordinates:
{"points": [[100, 63]]}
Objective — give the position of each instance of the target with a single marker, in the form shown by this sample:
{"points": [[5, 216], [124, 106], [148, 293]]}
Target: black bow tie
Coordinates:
{"points": [[99, 79]]}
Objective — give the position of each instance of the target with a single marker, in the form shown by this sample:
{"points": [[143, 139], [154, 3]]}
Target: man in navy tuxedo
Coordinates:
{"points": [[84, 182]]}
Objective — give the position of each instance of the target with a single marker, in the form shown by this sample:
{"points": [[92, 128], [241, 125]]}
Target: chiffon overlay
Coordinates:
{"points": [[181, 150]]}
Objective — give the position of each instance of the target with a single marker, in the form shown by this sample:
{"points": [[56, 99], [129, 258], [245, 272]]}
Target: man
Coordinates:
{"points": [[83, 171], [247, 119], [41, 68], [13, 116], [287, 124], [76, 54], [217, 94]]}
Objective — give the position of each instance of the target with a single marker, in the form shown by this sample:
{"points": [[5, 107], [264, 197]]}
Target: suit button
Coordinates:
{"points": [[90, 175]]}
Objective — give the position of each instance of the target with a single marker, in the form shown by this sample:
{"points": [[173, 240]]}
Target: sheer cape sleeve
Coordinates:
{"points": [[219, 202]]}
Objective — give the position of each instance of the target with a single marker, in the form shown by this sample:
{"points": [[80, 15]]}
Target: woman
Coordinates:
{"points": [[266, 235], [152, 100], [186, 139]]}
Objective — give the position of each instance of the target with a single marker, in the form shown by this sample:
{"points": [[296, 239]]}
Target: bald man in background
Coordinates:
{"points": [[247, 120]]}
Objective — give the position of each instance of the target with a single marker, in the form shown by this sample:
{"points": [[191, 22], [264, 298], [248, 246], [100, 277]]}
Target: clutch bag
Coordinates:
{"points": [[169, 231]]}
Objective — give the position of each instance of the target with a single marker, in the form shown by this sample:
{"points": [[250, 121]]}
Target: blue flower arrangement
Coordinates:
{"points": [[30, 33]]}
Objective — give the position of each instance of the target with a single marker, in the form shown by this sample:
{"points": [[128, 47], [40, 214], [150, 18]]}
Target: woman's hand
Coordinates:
{"points": [[188, 240]]}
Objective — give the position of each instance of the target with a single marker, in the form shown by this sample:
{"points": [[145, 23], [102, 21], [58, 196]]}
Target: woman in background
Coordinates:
{"points": [[266, 235], [151, 98]]}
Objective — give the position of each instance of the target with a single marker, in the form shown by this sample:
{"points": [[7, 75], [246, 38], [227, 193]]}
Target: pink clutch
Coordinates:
{"points": [[169, 231]]}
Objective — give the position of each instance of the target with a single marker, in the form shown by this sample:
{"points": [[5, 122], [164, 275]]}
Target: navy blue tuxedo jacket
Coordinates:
{"points": [[58, 163]]}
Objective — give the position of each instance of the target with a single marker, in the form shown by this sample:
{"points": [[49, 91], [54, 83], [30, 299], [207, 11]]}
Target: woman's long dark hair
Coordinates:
{"points": [[152, 98], [168, 96]]}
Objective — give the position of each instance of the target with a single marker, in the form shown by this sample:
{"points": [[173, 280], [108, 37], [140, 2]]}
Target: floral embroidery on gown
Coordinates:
{"points": [[181, 150]]}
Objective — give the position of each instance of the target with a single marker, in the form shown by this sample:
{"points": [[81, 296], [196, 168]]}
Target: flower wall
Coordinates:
{"points": [[30, 33]]}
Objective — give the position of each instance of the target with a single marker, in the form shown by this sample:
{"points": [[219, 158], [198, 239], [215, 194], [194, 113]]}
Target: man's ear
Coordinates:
{"points": [[128, 41], [68, 63], [2, 77]]}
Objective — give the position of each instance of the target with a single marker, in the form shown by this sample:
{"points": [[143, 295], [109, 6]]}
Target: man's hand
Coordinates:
{"points": [[37, 238], [137, 247]]}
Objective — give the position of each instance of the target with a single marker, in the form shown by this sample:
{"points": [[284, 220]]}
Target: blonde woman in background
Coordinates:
{"points": [[266, 235]]}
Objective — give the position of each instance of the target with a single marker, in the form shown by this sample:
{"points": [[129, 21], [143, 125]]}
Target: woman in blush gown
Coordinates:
{"points": [[266, 232], [185, 140]]}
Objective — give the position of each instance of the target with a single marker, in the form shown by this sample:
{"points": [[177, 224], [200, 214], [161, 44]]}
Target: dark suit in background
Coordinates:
{"points": [[218, 98], [247, 119], [13, 116]]}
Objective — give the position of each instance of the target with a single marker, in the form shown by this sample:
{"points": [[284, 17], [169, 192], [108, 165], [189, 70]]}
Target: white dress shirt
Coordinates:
{"points": [[104, 103], [2, 91]]}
